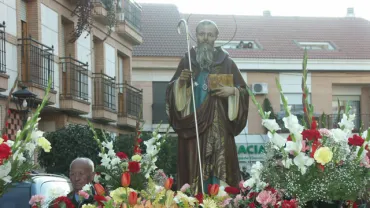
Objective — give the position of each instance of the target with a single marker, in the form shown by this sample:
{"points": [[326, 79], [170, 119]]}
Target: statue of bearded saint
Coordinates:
{"points": [[222, 113]]}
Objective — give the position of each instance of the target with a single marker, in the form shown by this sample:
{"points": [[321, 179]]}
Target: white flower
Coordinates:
{"points": [[302, 162], [256, 169], [115, 161], [36, 134], [4, 172], [1, 140], [287, 163], [96, 178], [18, 133], [111, 153], [347, 123], [270, 124], [105, 161], [293, 146], [249, 183], [363, 135], [291, 123], [19, 156], [136, 158], [277, 140], [30, 147], [107, 177], [221, 191], [339, 135], [86, 188], [10, 143], [108, 145]]}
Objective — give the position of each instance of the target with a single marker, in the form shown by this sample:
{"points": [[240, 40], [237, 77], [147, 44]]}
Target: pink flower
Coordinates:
{"points": [[325, 132], [226, 202], [83, 194], [237, 199], [265, 198], [36, 199], [185, 187], [305, 147]]}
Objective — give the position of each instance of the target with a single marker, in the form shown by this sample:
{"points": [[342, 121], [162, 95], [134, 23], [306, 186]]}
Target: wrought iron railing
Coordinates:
{"points": [[104, 92], [2, 48], [75, 78], [130, 101], [37, 62], [132, 13]]}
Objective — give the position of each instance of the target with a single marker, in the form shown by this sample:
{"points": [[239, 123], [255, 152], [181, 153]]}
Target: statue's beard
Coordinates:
{"points": [[204, 55]]}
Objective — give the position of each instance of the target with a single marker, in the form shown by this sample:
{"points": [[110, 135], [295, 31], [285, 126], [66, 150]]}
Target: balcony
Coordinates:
{"points": [[104, 106], [3, 76], [129, 22], [99, 12], [130, 102], [37, 67], [74, 94]]}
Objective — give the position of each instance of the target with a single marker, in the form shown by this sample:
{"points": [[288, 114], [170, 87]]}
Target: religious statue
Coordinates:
{"points": [[221, 101]]}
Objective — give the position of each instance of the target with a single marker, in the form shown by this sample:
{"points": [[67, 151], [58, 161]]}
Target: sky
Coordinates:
{"points": [[318, 8]]}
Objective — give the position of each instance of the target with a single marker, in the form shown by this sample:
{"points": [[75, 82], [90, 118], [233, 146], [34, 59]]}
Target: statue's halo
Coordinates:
{"points": [[236, 29]]}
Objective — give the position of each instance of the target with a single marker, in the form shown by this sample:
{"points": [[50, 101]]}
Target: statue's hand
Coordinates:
{"points": [[185, 77], [223, 91]]}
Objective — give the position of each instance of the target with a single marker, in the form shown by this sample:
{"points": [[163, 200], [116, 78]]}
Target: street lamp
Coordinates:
{"points": [[24, 100]]}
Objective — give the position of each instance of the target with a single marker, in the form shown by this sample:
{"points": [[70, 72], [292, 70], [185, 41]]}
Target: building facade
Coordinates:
{"points": [[90, 76], [264, 48]]}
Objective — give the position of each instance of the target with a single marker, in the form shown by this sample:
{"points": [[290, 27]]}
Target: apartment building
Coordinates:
{"points": [[91, 75], [264, 48]]}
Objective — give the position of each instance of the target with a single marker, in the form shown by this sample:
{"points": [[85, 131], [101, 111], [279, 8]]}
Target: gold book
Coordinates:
{"points": [[217, 80]]}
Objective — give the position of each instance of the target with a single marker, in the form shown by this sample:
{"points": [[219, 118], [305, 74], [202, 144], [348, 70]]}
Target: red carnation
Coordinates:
{"points": [[137, 150], [121, 155], [5, 152], [139, 140], [252, 195], [5, 138], [252, 205], [64, 200], [311, 134], [199, 197], [356, 140], [134, 167], [289, 138], [232, 190], [289, 204]]}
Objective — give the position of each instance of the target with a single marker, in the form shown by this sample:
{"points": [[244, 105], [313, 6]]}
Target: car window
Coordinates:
{"points": [[54, 188], [17, 197]]}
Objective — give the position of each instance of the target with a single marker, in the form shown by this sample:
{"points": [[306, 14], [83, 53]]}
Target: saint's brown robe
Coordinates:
{"points": [[217, 132]]}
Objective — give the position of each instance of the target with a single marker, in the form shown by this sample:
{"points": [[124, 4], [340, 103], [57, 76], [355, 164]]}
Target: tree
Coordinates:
{"points": [[67, 144]]}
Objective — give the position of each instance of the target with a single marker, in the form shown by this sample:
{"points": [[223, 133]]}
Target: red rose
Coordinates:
{"points": [[199, 197], [121, 155], [137, 150], [289, 204], [311, 134], [356, 140], [232, 190], [289, 138], [252, 205], [139, 140], [5, 152], [134, 167]]}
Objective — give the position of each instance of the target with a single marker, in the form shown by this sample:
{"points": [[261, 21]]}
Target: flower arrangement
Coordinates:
{"points": [[313, 164], [16, 157], [139, 167]]}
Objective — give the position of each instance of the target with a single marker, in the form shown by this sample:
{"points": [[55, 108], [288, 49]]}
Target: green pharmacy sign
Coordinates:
{"points": [[250, 151]]}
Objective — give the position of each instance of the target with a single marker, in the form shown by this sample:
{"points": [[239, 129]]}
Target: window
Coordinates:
{"points": [[243, 44], [354, 103], [316, 46], [159, 103]]}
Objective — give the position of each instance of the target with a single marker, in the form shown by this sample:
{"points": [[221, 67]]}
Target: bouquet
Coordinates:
{"points": [[139, 166], [16, 157], [313, 164]]}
